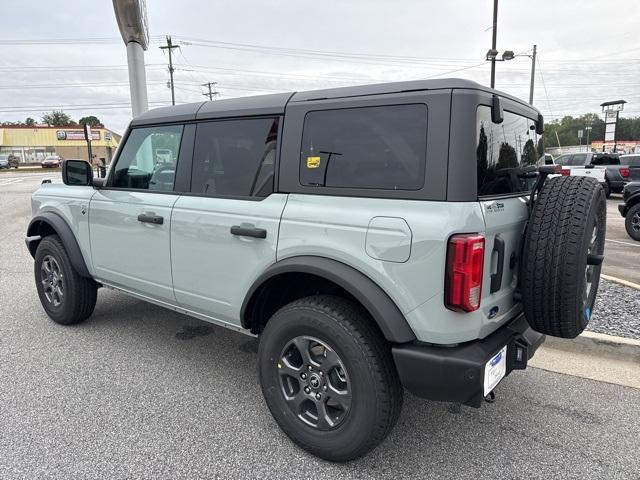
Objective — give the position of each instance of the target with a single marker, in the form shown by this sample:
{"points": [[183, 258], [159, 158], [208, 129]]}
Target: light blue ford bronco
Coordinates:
{"points": [[375, 239]]}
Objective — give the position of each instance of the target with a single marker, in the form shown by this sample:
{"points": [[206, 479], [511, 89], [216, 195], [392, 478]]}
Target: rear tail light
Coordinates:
{"points": [[463, 277], [565, 172], [625, 172]]}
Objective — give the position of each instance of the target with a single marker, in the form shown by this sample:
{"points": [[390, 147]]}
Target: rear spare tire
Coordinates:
{"points": [[562, 255]]}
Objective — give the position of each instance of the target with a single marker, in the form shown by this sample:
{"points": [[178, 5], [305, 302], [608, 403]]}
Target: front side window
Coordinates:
{"points": [[148, 159], [506, 153], [235, 157], [368, 147]]}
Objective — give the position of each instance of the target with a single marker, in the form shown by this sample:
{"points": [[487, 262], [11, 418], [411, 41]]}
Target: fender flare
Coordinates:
{"points": [[384, 311], [63, 230], [630, 202]]}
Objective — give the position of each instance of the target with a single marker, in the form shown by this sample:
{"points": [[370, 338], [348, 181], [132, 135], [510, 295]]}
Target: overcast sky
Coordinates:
{"points": [[589, 51]]}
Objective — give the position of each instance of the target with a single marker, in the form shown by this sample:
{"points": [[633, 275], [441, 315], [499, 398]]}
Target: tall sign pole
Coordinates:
{"points": [[611, 112], [131, 16]]}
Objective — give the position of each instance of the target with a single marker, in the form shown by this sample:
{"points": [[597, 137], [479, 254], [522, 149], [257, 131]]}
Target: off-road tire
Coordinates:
{"points": [[375, 388], [80, 293], [554, 264], [632, 222]]}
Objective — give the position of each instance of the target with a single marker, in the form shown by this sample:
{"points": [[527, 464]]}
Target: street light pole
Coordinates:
{"points": [[493, 42], [533, 74]]}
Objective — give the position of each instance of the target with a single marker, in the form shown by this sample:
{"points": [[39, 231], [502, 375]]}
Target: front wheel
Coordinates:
{"points": [[66, 296], [328, 377], [632, 222]]}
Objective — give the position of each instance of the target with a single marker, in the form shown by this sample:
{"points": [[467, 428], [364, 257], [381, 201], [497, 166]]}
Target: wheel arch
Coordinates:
{"points": [[265, 297], [633, 200], [50, 223]]}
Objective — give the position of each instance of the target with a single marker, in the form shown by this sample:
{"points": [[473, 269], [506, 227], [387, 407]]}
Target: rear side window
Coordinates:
{"points": [[563, 160], [504, 151], [235, 157], [606, 160], [369, 147], [579, 159]]}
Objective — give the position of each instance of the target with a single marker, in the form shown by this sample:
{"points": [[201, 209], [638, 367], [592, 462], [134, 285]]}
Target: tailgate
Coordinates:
{"points": [[594, 172], [505, 221]]}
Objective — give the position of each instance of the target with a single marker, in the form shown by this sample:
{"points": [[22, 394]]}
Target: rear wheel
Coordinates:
{"points": [[562, 256], [632, 222], [66, 296], [607, 189], [328, 377]]}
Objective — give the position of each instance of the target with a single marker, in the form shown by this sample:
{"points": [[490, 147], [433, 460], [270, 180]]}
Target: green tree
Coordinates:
{"points": [[30, 122], [91, 121], [507, 158], [529, 154], [57, 118]]}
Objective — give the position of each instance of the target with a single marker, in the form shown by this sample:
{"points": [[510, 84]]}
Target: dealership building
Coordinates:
{"points": [[32, 144]]}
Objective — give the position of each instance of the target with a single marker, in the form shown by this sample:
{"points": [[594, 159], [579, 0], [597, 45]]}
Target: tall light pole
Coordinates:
{"points": [[533, 74], [494, 37], [492, 56], [131, 16]]}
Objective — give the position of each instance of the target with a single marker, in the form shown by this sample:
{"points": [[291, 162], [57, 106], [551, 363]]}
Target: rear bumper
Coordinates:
{"points": [[617, 185], [456, 374]]}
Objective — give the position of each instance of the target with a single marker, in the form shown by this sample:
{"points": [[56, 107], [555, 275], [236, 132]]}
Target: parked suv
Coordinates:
{"points": [[374, 238]]}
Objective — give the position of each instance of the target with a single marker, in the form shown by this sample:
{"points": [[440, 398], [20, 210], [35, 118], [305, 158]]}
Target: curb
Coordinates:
{"points": [[626, 283], [594, 356], [617, 348]]}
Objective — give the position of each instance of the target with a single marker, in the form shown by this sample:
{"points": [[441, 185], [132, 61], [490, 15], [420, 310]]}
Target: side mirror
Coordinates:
{"points": [[540, 124], [77, 172]]}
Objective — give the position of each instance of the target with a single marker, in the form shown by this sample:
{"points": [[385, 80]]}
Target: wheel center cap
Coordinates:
{"points": [[314, 381]]}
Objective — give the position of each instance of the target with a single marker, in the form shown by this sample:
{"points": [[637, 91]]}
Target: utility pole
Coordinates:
{"points": [[211, 93], [169, 47], [493, 42], [533, 73]]}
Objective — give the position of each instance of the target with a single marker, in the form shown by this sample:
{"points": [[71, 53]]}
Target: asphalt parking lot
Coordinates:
{"points": [[142, 392]]}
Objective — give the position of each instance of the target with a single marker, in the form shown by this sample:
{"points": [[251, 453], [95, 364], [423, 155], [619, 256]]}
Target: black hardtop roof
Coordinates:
{"points": [[274, 104]]}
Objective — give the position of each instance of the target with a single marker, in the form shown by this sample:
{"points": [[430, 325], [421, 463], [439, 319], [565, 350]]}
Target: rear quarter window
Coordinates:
{"points": [[505, 152], [380, 147]]}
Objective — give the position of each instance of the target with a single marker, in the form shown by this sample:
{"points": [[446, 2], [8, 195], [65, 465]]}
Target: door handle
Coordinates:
{"points": [[248, 231], [496, 278], [150, 218]]}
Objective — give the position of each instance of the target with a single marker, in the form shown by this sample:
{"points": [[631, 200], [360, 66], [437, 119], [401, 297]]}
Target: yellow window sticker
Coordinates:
{"points": [[313, 162]]}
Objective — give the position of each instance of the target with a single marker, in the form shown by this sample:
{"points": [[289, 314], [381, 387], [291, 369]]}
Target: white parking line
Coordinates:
{"points": [[623, 243], [9, 181]]}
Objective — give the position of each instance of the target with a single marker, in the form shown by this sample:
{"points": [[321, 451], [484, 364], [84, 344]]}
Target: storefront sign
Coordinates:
{"points": [[76, 134]]}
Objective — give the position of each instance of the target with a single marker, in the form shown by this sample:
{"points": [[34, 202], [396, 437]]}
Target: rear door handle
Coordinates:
{"points": [[248, 231], [150, 218], [496, 278]]}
